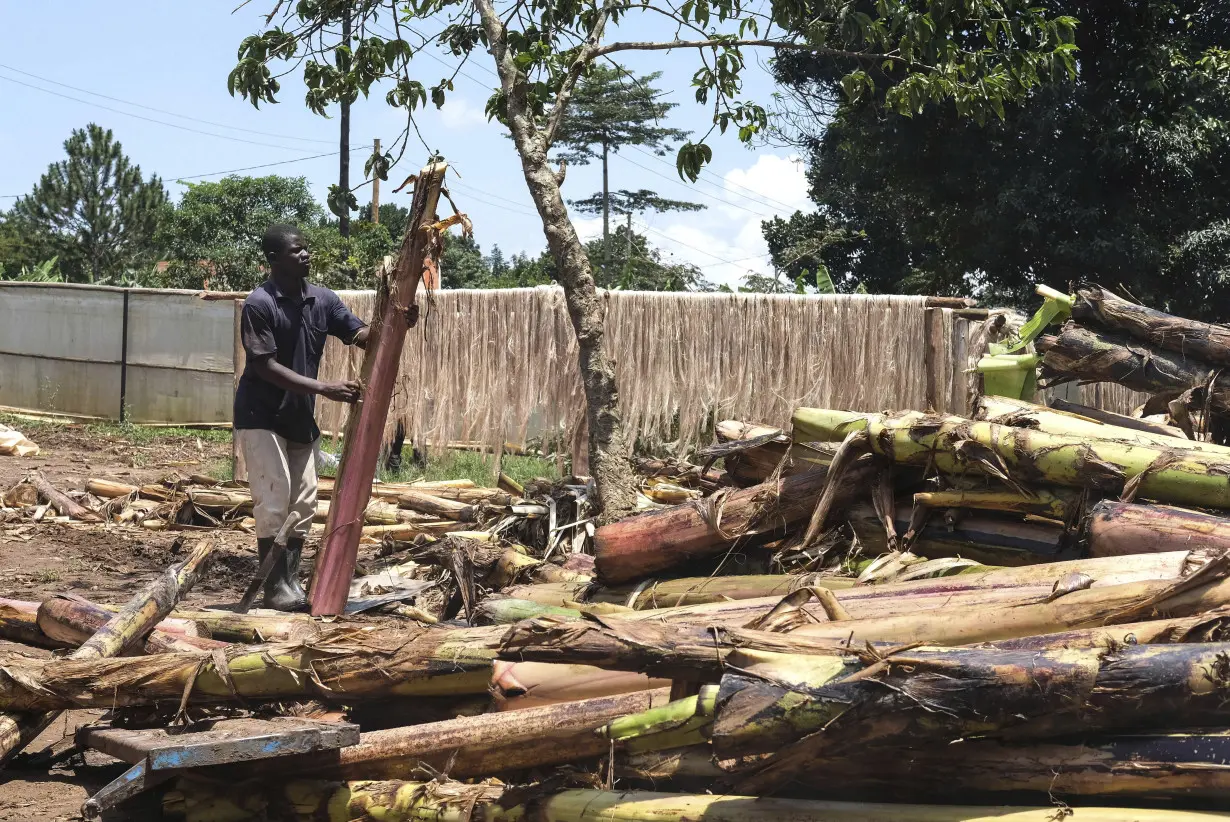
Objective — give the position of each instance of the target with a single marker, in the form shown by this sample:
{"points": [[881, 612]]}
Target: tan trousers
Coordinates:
{"points": [[282, 478]]}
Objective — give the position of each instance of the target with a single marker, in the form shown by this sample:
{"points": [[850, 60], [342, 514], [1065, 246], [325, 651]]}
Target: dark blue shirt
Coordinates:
{"points": [[292, 329]]}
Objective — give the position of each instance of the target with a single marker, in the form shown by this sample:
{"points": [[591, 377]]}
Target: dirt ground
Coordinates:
{"points": [[106, 565]]}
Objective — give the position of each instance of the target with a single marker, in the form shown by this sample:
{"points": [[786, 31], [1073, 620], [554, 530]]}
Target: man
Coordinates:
{"points": [[285, 322]]}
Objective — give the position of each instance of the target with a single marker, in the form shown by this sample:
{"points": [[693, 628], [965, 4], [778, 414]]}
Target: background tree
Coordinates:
{"points": [[975, 54], [640, 266], [349, 262], [1117, 175], [612, 109], [214, 233], [393, 217], [93, 210], [461, 262]]}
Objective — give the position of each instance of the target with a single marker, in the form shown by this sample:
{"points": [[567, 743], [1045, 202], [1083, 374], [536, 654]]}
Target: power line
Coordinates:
{"points": [[697, 191], [147, 119], [164, 111], [518, 207], [262, 165]]}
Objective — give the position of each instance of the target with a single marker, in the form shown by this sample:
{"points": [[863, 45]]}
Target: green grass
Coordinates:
{"points": [[441, 465], [135, 434], [221, 470], [471, 465]]}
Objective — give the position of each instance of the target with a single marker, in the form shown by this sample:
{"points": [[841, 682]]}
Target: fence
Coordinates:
{"points": [[501, 364], [144, 355]]}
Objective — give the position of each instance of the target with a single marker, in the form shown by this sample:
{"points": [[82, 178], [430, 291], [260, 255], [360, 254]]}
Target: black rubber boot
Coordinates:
{"points": [[279, 594], [294, 555]]}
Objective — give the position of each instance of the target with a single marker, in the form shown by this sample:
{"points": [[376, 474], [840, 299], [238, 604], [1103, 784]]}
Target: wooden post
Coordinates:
{"points": [[365, 428], [124, 362], [933, 324], [580, 448], [239, 468], [376, 189]]}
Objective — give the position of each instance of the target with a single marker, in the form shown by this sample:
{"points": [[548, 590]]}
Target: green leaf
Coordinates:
{"points": [[824, 282]]}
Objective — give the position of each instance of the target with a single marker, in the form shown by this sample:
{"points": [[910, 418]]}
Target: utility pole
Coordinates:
{"points": [[376, 189], [628, 255], [343, 180]]}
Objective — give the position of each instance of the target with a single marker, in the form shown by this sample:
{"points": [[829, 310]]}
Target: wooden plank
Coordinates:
{"points": [[219, 742], [933, 325]]}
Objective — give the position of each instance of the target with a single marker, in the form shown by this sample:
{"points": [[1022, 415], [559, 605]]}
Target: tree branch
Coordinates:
{"points": [[587, 55], [666, 45]]}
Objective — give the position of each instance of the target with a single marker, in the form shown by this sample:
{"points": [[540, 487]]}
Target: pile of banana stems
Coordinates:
{"points": [[397, 511], [1023, 614]]}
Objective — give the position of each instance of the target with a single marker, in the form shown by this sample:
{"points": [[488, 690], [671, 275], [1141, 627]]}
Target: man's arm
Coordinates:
{"points": [[272, 371]]}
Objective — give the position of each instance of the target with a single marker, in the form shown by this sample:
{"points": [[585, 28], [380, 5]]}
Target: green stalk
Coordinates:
{"points": [[1029, 457]]}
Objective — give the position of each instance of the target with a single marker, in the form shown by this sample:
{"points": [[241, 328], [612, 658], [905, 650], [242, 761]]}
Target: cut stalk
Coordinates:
{"points": [[482, 745], [1123, 529], [1035, 458], [140, 615], [1024, 414], [936, 696], [1191, 338], [645, 544], [1079, 353]]}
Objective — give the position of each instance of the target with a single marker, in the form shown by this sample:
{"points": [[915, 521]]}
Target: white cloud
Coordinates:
{"points": [[725, 241], [460, 113]]}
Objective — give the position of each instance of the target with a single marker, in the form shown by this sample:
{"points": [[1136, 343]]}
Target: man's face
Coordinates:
{"points": [[294, 258]]}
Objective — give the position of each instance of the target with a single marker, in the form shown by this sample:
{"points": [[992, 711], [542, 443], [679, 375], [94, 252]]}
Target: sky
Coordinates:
{"points": [[155, 73]]}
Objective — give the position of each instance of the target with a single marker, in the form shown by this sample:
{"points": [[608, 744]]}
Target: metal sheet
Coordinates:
{"points": [[165, 395], [88, 389], [61, 322], [181, 331]]}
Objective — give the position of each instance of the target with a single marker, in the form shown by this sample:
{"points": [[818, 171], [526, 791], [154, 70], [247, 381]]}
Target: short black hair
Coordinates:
{"points": [[278, 237]]}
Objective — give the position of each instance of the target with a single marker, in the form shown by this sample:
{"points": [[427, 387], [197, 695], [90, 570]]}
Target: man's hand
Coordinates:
{"points": [[347, 391], [412, 315]]}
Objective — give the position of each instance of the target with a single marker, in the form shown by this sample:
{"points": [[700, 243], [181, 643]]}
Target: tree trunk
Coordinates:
{"points": [[937, 696], [1070, 423], [438, 507], [471, 746], [987, 539], [1200, 341], [639, 546], [19, 623], [519, 686], [247, 628], [1078, 353], [62, 502], [606, 206], [698, 652], [348, 665], [420, 249], [134, 620], [610, 466], [1111, 418], [1122, 528], [945, 618], [989, 586], [72, 620], [752, 466], [492, 802], [1176, 766], [1029, 457]]}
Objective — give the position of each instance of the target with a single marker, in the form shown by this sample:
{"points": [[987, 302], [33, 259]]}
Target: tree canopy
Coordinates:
{"points": [[1115, 175], [976, 54], [214, 233], [93, 211]]}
